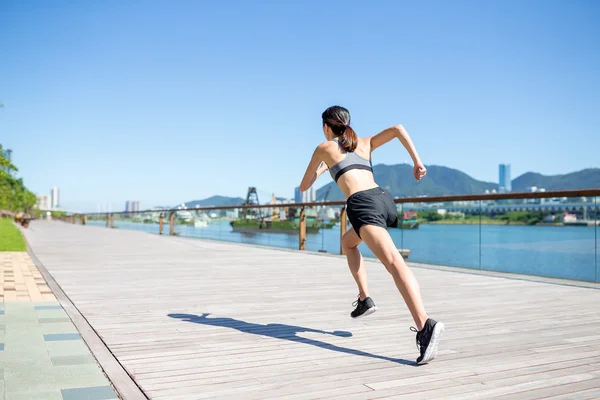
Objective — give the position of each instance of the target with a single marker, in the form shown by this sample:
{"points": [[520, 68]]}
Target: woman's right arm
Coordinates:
{"points": [[401, 134]]}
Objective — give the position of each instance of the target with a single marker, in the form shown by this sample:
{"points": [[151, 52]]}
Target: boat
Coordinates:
{"points": [[410, 220], [409, 225], [200, 224], [279, 219], [268, 226], [201, 220]]}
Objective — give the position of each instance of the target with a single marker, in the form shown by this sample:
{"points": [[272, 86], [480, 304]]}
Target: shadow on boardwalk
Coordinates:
{"points": [[283, 332]]}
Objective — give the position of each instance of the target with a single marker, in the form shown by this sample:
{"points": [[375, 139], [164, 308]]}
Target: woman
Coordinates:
{"points": [[371, 210]]}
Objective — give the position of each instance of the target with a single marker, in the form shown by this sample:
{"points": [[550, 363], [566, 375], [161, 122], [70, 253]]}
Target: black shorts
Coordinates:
{"points": [[372, 207]]}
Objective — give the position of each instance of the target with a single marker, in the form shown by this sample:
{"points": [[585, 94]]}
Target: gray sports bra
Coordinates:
{"points": [[351, 161]]}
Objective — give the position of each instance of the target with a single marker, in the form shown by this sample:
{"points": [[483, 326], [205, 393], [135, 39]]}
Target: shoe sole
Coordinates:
{"points": [[432, 349], [368, 312]]}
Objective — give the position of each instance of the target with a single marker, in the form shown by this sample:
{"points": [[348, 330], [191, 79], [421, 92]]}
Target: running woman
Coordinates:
{"points": [[371, 210]]}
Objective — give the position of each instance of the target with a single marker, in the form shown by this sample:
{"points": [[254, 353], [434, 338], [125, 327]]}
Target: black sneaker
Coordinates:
{"points": [[428, 339], [363, 307]]}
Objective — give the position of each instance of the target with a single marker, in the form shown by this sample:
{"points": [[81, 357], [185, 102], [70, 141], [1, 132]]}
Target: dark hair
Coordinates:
{"points": [[338, 119]]}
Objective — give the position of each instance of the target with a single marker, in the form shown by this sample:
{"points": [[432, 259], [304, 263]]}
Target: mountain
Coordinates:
{"points": [[440, 181], [586, 179], [216, 201], [399, 181]]}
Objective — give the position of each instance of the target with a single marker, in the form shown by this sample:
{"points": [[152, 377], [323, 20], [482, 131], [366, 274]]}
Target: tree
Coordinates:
{"points": [[430, 215], [14, 196]]}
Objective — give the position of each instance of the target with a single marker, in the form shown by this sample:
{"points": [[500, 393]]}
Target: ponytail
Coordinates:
{"points": [[338, 119], [349, 140]]}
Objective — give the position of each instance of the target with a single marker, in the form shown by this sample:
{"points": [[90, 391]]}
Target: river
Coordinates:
{"points": [[558, 252]]}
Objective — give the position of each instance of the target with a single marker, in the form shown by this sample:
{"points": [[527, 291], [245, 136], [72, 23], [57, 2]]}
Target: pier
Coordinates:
{"points": [[169, 317]]}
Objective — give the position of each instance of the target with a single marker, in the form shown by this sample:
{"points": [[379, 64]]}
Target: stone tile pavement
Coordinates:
{"points": [[42, 356]]}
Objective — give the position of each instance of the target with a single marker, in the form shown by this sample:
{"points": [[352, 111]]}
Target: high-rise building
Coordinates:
{"points": [[131, 207], [44, 202], [309, 196], [312, 194], [55, 198], [8, 155], [305, 197], [504, 181]]}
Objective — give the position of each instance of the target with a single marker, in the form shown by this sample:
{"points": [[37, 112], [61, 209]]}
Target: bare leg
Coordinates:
{"points": [[382, 245], [350, 242]]}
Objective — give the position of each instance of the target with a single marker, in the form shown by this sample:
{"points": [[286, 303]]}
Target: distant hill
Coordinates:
{"points": [[216, 201], [399, 181], [585, 179], [440, 181]]}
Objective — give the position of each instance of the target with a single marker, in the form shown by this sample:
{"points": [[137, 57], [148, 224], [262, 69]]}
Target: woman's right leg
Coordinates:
{"points": [[381, 244], [428, 330]]}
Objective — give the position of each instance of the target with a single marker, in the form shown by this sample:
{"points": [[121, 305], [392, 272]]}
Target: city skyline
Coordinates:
{"points": [[296, 196], [470, 98]]}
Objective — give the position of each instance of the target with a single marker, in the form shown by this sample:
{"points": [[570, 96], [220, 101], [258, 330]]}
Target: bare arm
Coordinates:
{"points": [[401, 134], [315, 168]]}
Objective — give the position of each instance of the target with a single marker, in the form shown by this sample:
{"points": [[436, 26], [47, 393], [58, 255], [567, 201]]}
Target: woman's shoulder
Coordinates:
{"points": [[328, 145], [364, 144]]}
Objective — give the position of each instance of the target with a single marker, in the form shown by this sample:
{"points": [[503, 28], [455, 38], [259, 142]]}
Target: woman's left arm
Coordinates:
{"points": [[315, 168]]}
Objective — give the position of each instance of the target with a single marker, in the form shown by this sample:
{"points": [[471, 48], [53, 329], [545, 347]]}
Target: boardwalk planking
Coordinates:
{"points": [[278, 324]]}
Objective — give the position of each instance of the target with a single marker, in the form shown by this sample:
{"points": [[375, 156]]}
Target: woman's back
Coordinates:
{"points": [[352, 171]]}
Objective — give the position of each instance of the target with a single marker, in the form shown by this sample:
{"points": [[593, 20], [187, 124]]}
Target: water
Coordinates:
{"points": [[559, 252]]}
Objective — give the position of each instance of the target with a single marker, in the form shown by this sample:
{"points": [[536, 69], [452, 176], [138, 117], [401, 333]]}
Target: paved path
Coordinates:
{"points": [[42, 356], [193, 319]]}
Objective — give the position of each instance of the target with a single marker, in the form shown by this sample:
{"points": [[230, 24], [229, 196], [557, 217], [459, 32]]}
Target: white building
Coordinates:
{"points": [[305, 197], [232, 214], [54, 198], [309, 196], [44, 202]]}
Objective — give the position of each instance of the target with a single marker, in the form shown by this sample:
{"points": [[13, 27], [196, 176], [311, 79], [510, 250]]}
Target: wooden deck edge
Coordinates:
{"points": [[122, 382]]}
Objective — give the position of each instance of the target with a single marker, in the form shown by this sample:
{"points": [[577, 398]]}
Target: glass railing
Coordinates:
{"points": [[554, 236]]}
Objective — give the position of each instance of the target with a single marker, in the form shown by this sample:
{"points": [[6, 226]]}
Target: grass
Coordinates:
{"points": [[10, 237]]}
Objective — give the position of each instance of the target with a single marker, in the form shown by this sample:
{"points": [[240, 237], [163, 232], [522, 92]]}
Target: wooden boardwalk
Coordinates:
{"points": [[193, 319]]}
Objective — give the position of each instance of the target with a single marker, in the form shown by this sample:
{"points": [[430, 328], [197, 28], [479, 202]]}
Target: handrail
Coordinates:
{"points": [[432, 199]]}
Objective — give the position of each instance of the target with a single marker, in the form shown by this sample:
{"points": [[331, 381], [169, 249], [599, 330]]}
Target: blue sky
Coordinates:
{"points": [[165, 102]]}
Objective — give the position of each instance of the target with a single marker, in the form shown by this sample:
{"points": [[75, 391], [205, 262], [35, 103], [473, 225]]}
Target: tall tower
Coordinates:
{"points": [[504, 181], [8, 155], [55, 198]]}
